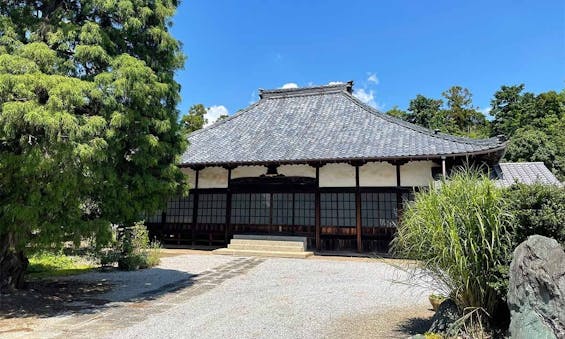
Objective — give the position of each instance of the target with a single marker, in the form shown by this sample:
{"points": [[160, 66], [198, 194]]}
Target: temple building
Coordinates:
{"points": [[313, 162]]}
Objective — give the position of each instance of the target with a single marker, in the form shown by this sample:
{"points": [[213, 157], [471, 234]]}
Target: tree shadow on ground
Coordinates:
{"points": [[412, 326], [56, 296]]}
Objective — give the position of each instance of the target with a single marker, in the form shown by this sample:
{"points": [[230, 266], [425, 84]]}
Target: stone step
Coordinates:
{"points": [[267, 247], [245, 242], [250, 253], [267, 242]]}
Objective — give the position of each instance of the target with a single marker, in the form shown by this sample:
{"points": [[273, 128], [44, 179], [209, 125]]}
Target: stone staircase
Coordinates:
{"points": [[266, 246]]}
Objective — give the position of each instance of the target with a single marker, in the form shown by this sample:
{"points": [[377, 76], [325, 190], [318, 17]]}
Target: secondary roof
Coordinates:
{"points": [[509, 173], [325, 123]]}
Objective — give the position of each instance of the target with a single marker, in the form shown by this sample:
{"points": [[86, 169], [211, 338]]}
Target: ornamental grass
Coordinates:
{"points": [[459, 230]]}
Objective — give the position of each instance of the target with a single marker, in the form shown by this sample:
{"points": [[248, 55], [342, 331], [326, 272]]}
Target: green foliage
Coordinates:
{"points": [[535, 145], [457, 116], [461, 232], [195, 119], [461, 116], [397, 113], [88, 122], [135, 249], [507, 108], [46, 264], [222, 117], [534, 124], [425, 112], [538, 209]]}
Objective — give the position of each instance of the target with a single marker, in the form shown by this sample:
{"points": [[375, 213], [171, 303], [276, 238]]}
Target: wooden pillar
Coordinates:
{"points": [[358, 211], [194, 207], [228, 230], [398, 192], [272, 228], [443, 169], [318, 212], [398, 174]]}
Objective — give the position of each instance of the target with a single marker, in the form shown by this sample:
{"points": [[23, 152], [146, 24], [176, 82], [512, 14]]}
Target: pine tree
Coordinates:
{"points": [[195, 119], [88, 121]]}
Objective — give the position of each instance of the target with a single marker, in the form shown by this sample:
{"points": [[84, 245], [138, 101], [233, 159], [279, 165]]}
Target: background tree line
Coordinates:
{"points": [[196, 119], [532, 123]]}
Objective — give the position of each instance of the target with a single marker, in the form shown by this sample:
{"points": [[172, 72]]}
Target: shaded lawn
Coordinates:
{"points": [[44, 265]]}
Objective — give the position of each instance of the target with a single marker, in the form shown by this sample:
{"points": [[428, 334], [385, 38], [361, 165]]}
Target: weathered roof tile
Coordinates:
{"points": [[320, 123], [524, 172]]}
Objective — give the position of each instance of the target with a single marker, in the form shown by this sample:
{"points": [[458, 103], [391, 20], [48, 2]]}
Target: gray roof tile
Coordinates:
{"points": [[320, 123], [524, 172]]}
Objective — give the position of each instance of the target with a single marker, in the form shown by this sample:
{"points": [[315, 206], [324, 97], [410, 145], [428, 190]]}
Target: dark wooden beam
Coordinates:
{"points": [[194, 207], [398, 193], [357, 163], [196, 167], [358, 211], [228, 231], [398, 174], [271, 226], [317, 208]]}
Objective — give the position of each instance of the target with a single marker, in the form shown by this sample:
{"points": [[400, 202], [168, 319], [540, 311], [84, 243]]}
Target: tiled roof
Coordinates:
{"points": [[325, 123], [524, 172]]}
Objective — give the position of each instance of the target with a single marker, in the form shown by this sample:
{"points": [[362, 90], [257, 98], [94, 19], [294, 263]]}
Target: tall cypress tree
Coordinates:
{"points": [[88, 121]]}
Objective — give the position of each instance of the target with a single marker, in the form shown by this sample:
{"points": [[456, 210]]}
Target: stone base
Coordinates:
{"points": [[252, 253], [266, 246]]}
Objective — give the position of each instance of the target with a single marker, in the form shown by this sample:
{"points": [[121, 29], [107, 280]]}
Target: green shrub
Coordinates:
{"points": [[153, 254], [136, 249], [132, 261], [538, 209], [133, 250], [461, 232]]}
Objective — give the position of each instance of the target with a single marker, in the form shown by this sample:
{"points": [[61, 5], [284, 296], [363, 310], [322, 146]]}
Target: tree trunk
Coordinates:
{"points": [[13, 263]]}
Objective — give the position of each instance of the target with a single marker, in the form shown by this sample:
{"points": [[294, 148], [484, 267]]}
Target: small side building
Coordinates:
{"points": [[313, 162]]}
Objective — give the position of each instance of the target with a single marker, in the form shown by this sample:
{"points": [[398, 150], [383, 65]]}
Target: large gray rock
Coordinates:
{"points": [[536, 291]]}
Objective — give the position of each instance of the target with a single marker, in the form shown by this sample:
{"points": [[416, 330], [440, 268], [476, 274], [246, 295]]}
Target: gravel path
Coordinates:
{"points": [[208, 296], [290, 298], [131, 285]]}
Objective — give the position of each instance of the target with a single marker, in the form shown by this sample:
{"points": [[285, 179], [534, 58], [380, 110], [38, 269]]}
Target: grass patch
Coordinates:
{"points": [[43, 265]]}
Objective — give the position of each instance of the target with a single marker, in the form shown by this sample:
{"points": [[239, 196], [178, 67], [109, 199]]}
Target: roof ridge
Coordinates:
{"points": [[421, 129], [282, 93], [300, 91]]}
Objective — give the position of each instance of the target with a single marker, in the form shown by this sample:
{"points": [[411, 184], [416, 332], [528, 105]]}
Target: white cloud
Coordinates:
{"points": [[373, 78], [335, 83], [253, 97], [214, 112], [367, 96], [290, 85]]}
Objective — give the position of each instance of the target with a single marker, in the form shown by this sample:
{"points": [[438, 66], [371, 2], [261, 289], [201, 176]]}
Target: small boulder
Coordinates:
{"points": [[446, 315], [536, 291]]}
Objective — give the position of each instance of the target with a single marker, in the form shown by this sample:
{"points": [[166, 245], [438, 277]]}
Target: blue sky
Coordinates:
{"points": [[392, 50]]}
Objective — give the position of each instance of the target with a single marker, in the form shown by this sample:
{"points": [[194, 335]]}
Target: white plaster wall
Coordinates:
{"points": [[191, 176], [297, 171], [213, 177], [377, 174], [248, 171], [337, 175], [416, 173]]}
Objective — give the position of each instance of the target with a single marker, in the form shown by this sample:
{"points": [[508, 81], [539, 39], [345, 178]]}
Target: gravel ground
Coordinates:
{"points": [[131, 285], [291, 298]]}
